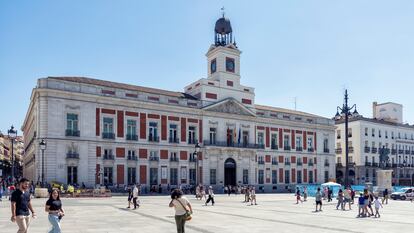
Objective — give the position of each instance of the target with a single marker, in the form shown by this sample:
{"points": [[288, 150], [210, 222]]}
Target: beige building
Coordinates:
{"points": [[6, 155]]}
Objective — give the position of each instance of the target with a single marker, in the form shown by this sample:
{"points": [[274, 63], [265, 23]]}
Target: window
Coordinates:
{"points": [[338, 134], [173, 134], [72, 175], [260, 138], [339, 161], [366, 131], [326, 176], [173, 176], [392, 134], [287, 177], [350, 132], [274, 176], [299, 177], [153, 132], [108, 128], [245, 138], [213, 179], [132, 130], [131, 155], [72, 125], [399, 135], [373, 132], [192, 174], [132, 174], [286, 141], [153, 155], [325, 145], [213, 132], [386, 134], [274, 141], [174, 157], [154, 176], [379, 133], [311, 177], [261, 177], [108, 176], [310, 142], [245, 176], [192, 135], [298, 142], [373, 144]]}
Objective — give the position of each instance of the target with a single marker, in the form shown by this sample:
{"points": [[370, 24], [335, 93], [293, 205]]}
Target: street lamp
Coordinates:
{"points": [[346, 112], [12, 133], [195, 155], [42, 145]]}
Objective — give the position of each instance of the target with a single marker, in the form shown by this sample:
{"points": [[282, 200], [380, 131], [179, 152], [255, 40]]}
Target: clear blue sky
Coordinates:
{"points": [[311, 50]]}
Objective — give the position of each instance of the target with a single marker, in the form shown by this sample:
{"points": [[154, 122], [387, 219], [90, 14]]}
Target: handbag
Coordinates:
{"points": [[187, 214]]}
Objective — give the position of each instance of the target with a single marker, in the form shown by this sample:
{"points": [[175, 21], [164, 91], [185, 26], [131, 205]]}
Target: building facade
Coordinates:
{"points": [[101, 132], [367, 136], [6, 155]]}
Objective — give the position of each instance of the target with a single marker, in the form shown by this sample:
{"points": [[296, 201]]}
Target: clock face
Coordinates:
{"points": [[229, 64], [213, 66]]}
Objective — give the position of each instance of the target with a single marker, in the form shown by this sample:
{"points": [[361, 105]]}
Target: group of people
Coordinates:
{"points": [[21, 207]]}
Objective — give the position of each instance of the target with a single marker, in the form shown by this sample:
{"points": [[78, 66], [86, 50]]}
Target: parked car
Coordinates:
{"points": [[403, 194]]}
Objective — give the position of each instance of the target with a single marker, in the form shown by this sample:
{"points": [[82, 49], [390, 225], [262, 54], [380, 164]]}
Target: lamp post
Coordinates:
{"points": [[346, 112], [195, 154], [42, 145], [12, 133]]}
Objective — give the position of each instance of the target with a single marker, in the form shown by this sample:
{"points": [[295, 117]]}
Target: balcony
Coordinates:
{"points": [[339, 165], [368, 164], [311, 149], [326, 164], [174, 159], [407, 152], [132, 137], [261, 162], [274, 147], [286, 148], [275, 163], [325, 150], [152, 138], [173, 140], [153, 158], [310, 164], [393, 151], [299, 163], [72, 155], [72, 133], [192, 141], [232, 144], [132, 157], [351, 149], [374, 150], [412, 152], [108, 157], [108, 135], [287, 163], [375, 164], [367, 149], [192, 160], [338, 151], [400, 151], [299, 149]]}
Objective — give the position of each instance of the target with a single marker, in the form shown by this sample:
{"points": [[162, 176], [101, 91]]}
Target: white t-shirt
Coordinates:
{"points": [[179, 210], [377, 203]]}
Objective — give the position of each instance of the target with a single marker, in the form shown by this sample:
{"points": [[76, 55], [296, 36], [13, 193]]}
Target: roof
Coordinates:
{"points": [[373, 120], [283, 110], [110, 84]]}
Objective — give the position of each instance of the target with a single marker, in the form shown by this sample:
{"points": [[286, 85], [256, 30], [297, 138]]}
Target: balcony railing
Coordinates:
{"points": [[286, 148], [310, 164], [400, 151], [154, 158], [367, 149], [339, 165], [338, 151], [173, 140], [375, 164], [412, 152], [232, 144], [351, 149], [72, 155], [325, 150], [132, 137], [287, 163], [261, 162], [108, 157], [407, 152], [72, 133], [368, 164], [310, 149], [274, 147], [174, 159], [393, 151], [326, 164], [153, 138], [299, 149], [192, 141], [108, 135], [374, 150], [275, 163], [299, 163], [132, 157], [192, 160]]}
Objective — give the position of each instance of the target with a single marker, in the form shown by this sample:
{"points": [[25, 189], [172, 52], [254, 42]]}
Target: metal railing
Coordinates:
{"points": [[72, 133], [274, 147], [310, 149], [173, 140], [174, 159], [374, 150], [152, 138], [132, 137], [325, 150], [232, 144], [132, 157], [286, 148], [338, 151], [72, 155], [108, 157], [299, 149], [261, 162], [108, 135], [299, 163], [275, 163], [154, 159], [367, 149]]}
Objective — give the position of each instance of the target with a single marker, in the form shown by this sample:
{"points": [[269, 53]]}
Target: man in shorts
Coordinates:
{"points": [[318, 199]]}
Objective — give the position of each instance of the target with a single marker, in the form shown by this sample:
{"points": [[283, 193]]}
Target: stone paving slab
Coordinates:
{"points": [[274, 213]]}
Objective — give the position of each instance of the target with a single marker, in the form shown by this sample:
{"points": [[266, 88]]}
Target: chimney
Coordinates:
{"points": [[374, 110]]}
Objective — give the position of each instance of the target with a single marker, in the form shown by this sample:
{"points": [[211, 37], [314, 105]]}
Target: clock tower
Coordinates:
{"points": [[223, 70]]}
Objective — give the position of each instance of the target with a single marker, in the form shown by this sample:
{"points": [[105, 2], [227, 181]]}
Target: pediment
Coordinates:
{"points": [[230, 106]]}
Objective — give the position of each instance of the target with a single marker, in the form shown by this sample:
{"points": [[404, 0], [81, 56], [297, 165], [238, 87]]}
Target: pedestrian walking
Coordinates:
{"points": [[318, 199], [247, 194], [385, 196], [182, 209], [361, 206], [129, 197], [20, 206], [253, 196], [370, 202], [298, 195], [340, 200], [55, 210], [329, 194], [210, 196], [347, 197], [135, 193], [305, 193], [377, 205]]}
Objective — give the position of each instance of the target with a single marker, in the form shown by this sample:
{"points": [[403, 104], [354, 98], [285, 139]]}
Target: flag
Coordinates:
{"points": [[238, 140], [235, 136]]}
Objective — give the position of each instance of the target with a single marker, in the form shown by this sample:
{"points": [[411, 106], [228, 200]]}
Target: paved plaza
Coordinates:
{"points": [[274, 213]]}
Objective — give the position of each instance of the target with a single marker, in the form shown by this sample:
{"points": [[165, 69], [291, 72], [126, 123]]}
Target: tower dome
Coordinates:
{"points": [[223, 33]]}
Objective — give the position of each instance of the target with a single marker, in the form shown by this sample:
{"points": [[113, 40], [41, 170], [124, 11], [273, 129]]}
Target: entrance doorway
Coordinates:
{"points": [[230, 172]]}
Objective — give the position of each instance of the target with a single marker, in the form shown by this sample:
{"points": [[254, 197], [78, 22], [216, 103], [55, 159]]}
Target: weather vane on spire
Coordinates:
{"points": [[222, 11]]}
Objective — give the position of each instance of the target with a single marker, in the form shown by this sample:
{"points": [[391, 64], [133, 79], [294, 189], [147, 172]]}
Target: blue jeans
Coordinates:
{"points": [[55, 221]]}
